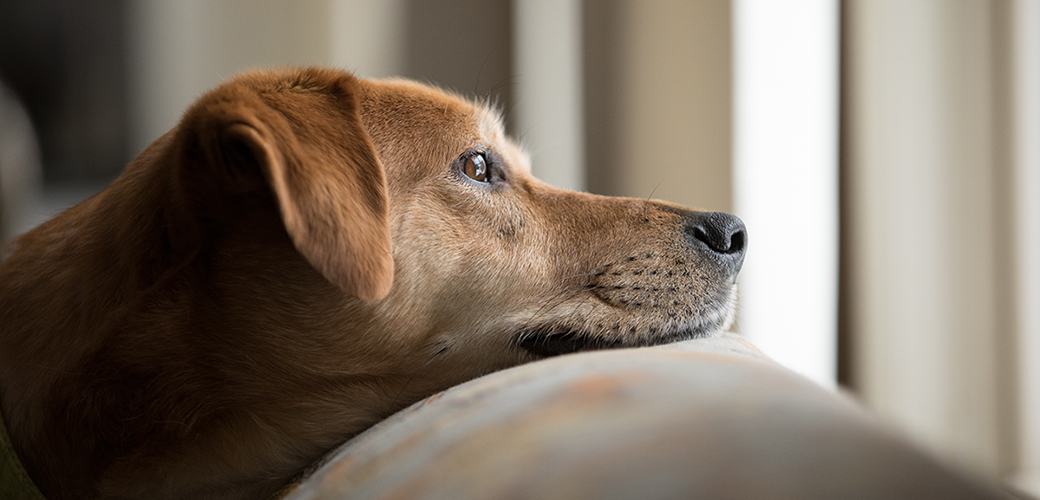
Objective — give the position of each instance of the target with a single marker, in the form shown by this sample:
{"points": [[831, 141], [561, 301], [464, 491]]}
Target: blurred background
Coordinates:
{"points": [[885, 154]]}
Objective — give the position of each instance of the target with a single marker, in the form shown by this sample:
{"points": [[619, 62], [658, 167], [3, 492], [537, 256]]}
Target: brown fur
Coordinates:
{"points": [[298, 259]]}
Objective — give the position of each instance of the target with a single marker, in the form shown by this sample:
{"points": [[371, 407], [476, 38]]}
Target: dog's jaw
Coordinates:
{"points": [[550, 341]]}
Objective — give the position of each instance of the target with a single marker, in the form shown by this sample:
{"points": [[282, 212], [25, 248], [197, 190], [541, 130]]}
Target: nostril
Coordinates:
{"points": [[736, 242], [722, 233], [715, 240], [701, 234]]}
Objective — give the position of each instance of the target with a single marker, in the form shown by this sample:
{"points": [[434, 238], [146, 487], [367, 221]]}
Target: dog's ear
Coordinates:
{"points": [[304, 142]]}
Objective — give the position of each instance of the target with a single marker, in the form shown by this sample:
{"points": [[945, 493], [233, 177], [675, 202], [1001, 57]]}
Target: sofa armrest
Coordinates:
{"points": [[709, 418]]}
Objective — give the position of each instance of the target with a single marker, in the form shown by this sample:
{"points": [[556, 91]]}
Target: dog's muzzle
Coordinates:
{"points": [[712, 251]]}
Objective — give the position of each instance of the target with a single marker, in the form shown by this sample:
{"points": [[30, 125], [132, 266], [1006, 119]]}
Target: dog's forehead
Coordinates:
{"points": [[421, 114]]}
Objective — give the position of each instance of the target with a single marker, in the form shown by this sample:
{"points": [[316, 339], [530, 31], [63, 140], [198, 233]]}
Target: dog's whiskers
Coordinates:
{"points": [[504, 83], [578, 287], [556, 300], [552, 302], [442, 350], [589, 289], [586, 299], [480, 70], [593, 272], [646, 202]]}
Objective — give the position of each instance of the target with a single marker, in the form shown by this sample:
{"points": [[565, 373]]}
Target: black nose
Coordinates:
{"points": [[723, 234]]}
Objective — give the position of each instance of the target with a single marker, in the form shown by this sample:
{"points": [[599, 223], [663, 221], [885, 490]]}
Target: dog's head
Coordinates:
{"points": [[304, 254], [447, 252]]}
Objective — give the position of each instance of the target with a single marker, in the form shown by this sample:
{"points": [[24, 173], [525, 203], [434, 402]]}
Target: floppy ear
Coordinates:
{"points": [[307, 145]]}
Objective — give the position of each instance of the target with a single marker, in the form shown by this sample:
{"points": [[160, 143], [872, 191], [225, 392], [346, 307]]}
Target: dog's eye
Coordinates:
{"points": [[476, 167]]}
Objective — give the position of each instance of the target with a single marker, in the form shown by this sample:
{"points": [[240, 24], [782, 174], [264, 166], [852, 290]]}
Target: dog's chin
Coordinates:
{"points": [[554, 340]]}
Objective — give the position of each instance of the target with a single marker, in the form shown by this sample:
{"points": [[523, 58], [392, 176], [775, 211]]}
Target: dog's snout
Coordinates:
{"points": [[723, 234]]}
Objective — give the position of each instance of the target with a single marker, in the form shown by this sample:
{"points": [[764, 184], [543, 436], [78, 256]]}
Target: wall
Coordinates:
{"points": [[658, 100]]}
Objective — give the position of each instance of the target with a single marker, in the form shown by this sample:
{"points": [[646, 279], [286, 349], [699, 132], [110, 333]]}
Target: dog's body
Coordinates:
{"points": [[303, 255]]}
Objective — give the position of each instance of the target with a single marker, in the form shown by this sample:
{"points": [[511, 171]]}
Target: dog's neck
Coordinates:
{"points": [[118, 262]]}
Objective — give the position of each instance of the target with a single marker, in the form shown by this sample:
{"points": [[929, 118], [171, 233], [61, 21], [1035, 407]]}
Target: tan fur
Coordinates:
{"points": [[296, 260]]}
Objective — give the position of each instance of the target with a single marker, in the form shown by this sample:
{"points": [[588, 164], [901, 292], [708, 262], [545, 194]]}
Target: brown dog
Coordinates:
{"points": [[303, 255]]}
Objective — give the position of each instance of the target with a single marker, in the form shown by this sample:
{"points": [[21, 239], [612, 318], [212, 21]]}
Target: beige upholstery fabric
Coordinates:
{"points": [[710, 418]]}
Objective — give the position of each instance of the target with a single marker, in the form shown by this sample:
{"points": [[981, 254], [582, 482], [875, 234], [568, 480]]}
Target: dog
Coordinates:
{"points": [[303, 255]]}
